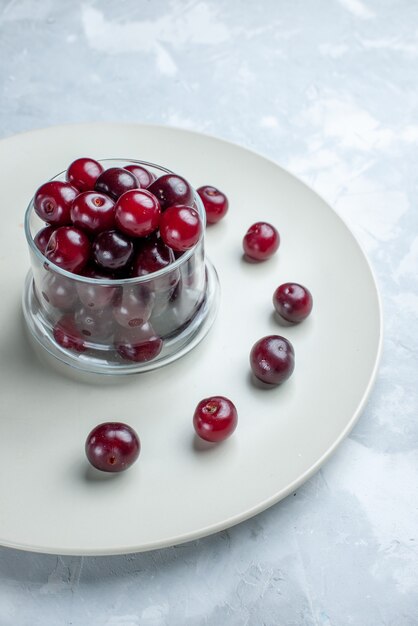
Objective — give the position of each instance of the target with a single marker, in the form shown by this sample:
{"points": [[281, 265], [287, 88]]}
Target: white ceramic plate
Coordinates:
{"points": [[178, 490]]}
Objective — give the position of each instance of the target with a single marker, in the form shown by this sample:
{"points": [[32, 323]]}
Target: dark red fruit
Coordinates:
{"points": [[143, 176], [112, 447], [83, 173], [137, 213], [272, 359], [95, 296], [293, 302], [153, 255], [58, 291], [133, 306], [215, 418], [115, 181], [215, 202], [171, 189], [69, 248], [180, 227], [112, 250], [42, 237], [52, 202], [139, 344], [94, 325], [67, 335], [94, 212], [261, 241]]}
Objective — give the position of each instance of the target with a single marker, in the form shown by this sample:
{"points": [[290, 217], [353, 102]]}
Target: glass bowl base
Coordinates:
{"points": [[174, 347]]}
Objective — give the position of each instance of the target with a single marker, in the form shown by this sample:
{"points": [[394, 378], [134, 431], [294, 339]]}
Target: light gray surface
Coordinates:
{"points": [[329, 90]]}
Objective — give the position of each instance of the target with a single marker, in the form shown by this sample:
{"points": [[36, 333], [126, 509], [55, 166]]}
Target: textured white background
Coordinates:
{"points": [[329, 89]]}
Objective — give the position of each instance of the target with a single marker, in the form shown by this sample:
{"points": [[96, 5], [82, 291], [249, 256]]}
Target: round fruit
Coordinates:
{"points": [[272, 359], [133, 306], [52, 202], [137, 213], [261, 241], [42, 237], [171, 189], [143, 176], [180, 227], [115, 181], [58, 291], [67, 335], [69, 248], [112, 447], [112, 250], [153, 255], [138, 344], [215, 418], [215, 202], [94, 325], [93, 212], [83, 173], [293, 302], [92, 295]]}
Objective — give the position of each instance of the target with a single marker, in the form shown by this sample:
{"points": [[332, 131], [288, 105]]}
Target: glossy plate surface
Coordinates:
{"points": [[180, 490]]}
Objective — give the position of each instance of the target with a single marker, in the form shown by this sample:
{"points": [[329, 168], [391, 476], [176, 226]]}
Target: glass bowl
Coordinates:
{"points": [[125, 326]]}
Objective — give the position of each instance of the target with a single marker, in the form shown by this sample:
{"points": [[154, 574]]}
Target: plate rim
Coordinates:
{"points": [[211, 529]]}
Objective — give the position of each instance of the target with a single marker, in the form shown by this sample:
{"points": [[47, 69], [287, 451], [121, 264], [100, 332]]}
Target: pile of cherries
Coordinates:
{"points": [[109, 224], [98, 217]]}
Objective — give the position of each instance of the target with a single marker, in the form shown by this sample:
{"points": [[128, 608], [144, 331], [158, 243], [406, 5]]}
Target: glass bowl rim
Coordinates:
{"points": [[118, 281]]}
